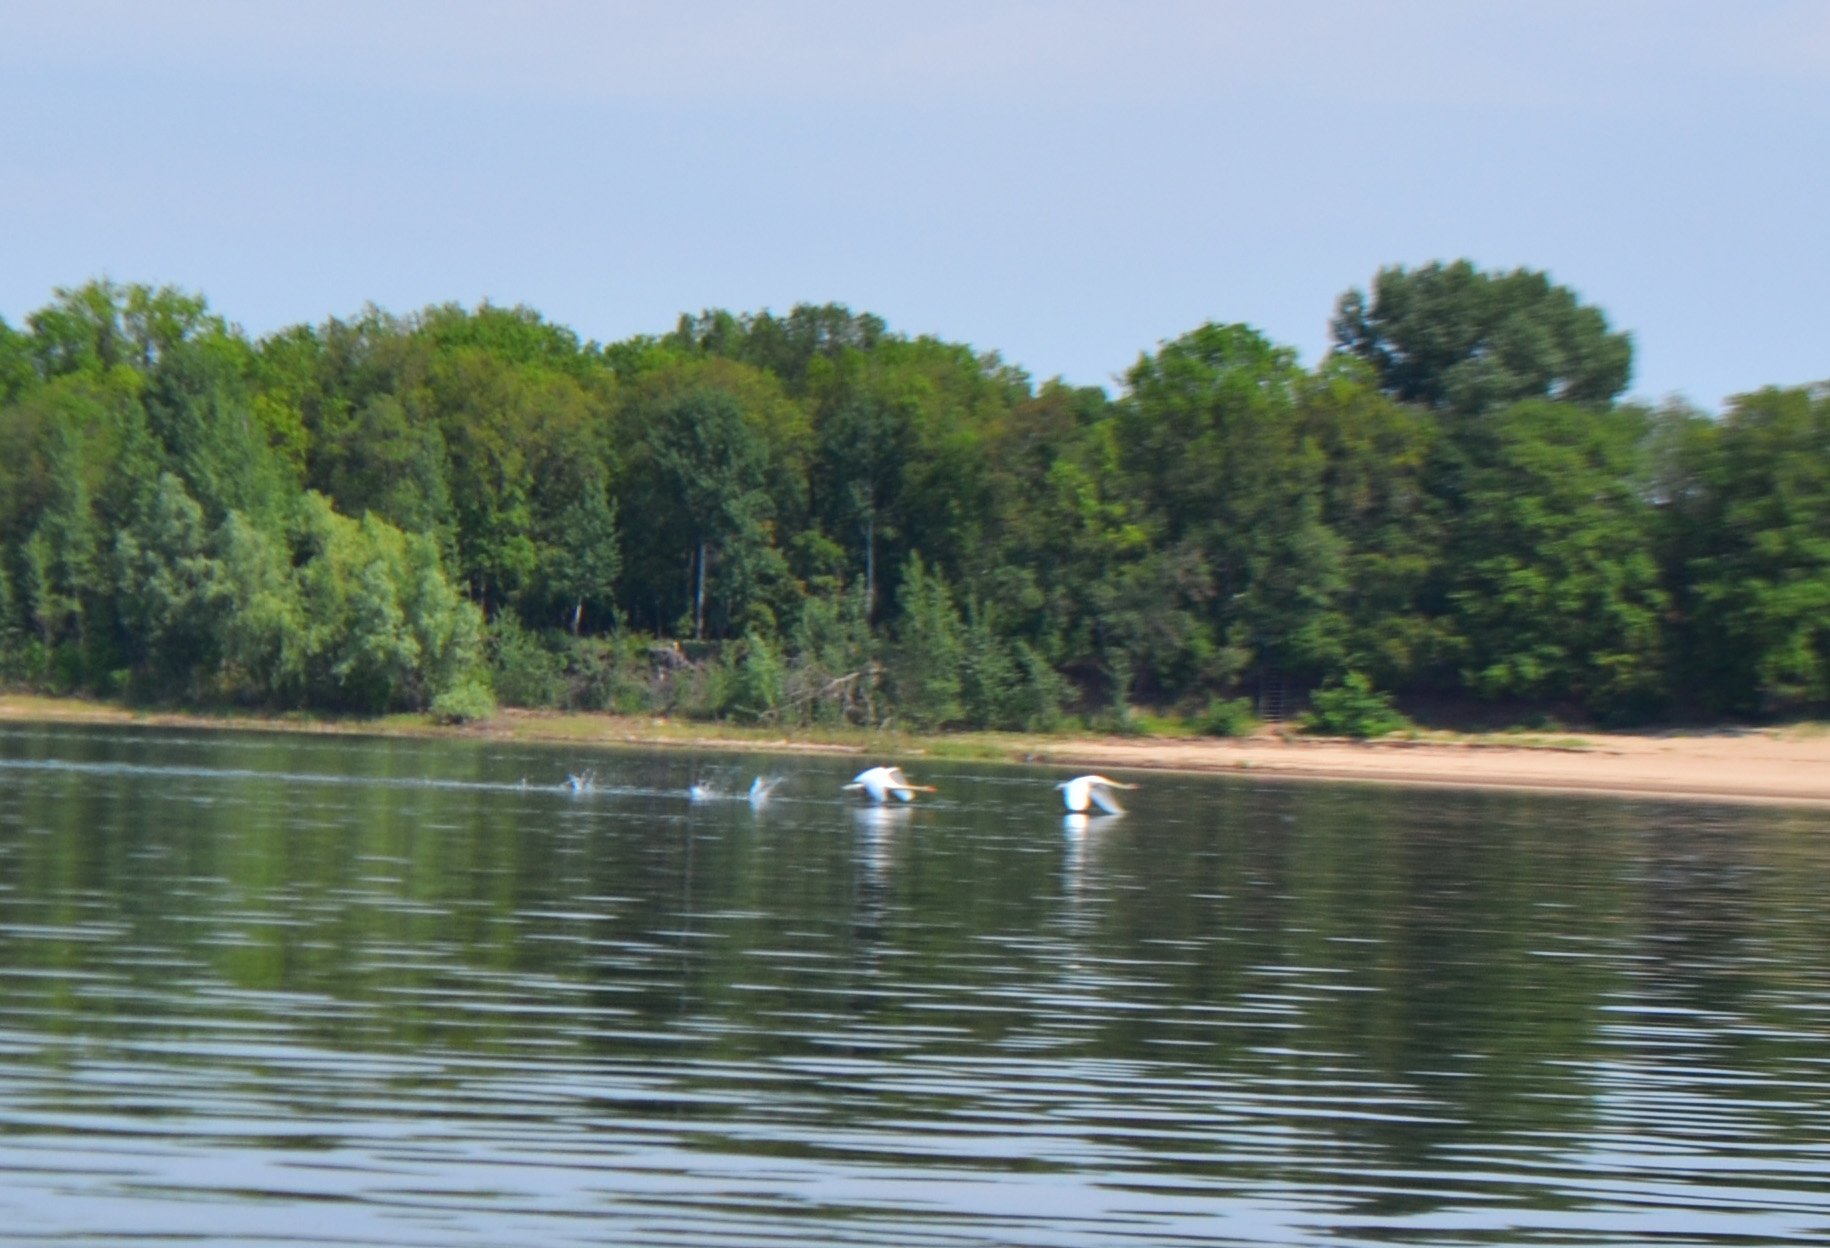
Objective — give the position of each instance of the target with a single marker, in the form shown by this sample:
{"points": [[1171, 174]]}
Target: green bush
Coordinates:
{"points": [[463, 703], [1227, 717], [929, 651], [523, 670], [835, 675], [1353, 708], [702, 690], [615, 674], [756, 683]]}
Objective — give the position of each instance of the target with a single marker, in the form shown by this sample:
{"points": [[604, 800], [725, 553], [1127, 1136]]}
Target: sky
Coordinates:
{"points": [[1068, 183]]}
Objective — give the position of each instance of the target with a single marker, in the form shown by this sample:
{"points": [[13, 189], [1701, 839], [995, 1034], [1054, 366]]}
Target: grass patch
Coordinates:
{"points": [[1172, 727]]}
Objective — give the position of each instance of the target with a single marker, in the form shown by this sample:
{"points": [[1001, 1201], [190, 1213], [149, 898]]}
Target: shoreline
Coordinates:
{"points": [[1748, 766], [1769, 766]]}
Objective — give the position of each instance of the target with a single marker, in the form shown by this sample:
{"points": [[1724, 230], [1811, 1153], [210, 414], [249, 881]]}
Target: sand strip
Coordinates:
{"points": [[1784, 766]]}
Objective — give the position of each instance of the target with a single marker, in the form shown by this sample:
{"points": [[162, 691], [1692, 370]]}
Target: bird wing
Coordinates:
{"points": [[1104, 799]]}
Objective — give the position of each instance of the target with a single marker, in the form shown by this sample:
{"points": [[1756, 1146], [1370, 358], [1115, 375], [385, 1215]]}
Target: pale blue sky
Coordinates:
{"points": [[1065, 182]]}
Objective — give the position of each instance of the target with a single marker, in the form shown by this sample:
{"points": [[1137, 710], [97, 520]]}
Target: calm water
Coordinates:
{"points": [[288, 991]]}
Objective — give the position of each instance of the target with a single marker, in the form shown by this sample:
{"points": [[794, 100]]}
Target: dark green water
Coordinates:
{"points": [[261, 991]]}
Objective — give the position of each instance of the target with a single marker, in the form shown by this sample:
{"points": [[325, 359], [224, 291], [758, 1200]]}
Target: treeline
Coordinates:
{"points": [[810, 518]]}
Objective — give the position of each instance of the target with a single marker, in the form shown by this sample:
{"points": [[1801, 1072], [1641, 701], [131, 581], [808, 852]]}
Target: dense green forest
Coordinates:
{"points": [[809, 518]]}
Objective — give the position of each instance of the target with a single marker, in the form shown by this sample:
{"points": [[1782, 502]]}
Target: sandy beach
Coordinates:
{"points": [[1750, 765], [1788, 766]]}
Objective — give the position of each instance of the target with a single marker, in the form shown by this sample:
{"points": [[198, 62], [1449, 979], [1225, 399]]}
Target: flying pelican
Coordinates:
{"points": [[879, 782], [1081, 791], [760, 789]]}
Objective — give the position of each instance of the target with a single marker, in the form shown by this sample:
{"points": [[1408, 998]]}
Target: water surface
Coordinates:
{"points": [[261, 990]]}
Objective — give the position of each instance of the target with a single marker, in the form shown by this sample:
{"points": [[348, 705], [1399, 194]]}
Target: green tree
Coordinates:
{"points": [[1071, 532], [384, 628], [518, 336], [1211, 437], [836, 674], [1756, 547], [17, 375], [929, 650], [1555, 589], [170, 590], [1376, 455], [1004, 682], [1459, 339], [712, 466], [199, 405], [790, 347], [379, 458], [506, 426], [864, 448], [265, 639], [584, 556], [63, 550], [14, 661]]}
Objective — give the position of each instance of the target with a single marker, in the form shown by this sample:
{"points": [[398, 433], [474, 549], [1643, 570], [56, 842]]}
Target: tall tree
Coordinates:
{"points": [[865, 448], [1758, 547], [63, 550], [1066, 524], [1459, 339], [714, 465], [170, 591], [1211, 437], [582, 551], [383, 626], [16, 371], [1555, 590], [101, 325], [199, 404], [1376, 455]]}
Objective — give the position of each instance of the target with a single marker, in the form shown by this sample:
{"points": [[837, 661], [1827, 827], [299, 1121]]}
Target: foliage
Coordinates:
{"points": [[1245, 562], [523, 671], [170, 587], [1451, 337], [1555, 588], [807, 518], [1755, 549], [929, 650], [463, 703], [1351, 707], [756, 688], [618, 673], [838, 674], [383, 627], [1228, 717]]}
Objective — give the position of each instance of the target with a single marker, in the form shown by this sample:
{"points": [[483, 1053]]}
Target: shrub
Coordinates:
{"points": [[1228, 717], [463, 703], [616, 674], [756, 685], [929, 651], [835, 676], [702, 690], [1353, 708], [524, 671]]}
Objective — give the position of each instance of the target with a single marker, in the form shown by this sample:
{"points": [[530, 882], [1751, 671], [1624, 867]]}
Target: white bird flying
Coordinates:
{"points": [[877, 783], [1082, 791]]}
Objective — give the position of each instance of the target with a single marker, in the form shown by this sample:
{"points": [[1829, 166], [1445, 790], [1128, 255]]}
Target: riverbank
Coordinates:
{"points": [[1770, 765]]}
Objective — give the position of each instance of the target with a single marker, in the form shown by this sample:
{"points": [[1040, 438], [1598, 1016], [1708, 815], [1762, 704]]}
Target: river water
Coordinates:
{"points": [[263, 990]]}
